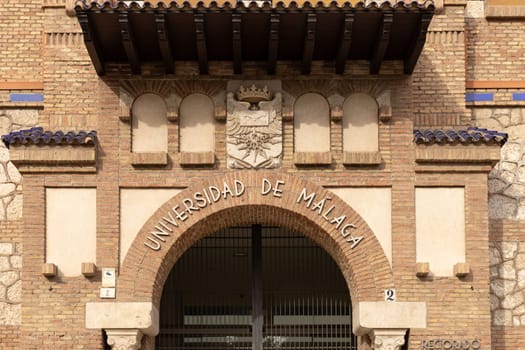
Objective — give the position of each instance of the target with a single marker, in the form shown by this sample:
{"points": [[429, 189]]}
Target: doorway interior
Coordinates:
{"points": [[259, 288]]}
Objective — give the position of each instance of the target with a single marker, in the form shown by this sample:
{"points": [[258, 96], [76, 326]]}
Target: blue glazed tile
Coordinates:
{"points": [[518, 96], [479, 96], [26, 97]]}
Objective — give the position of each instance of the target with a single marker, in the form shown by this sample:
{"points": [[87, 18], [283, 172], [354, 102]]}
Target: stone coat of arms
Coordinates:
{"points": [[254, 126]]}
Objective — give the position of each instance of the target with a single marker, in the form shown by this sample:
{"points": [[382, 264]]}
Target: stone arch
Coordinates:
{"points": [[365, 266]]}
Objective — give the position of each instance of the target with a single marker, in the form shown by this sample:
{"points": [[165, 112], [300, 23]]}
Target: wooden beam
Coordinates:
{"points": [[128, 40], [345, 43], [309, 42], [236, 38], [91, 42], [382, 41], [418, 41], [200, 41], [164, 43], [257, 289], [273, 42]]}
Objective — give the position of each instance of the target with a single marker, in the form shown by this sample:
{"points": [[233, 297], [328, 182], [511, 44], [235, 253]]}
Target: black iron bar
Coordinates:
{"points": [[257, 289]]}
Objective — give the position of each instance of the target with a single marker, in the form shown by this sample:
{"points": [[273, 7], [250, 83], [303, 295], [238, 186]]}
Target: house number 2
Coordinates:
{"points": [[390, 295]]}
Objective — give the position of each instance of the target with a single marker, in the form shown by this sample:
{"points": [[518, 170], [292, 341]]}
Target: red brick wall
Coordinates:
{"points": [[439, 77], [21, 40], [495, 49]]}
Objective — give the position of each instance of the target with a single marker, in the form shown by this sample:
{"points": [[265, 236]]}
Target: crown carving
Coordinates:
{"points": [[254, 94]]}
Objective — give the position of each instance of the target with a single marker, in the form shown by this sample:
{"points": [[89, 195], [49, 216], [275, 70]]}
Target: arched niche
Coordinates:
{"points": [[149, 128], [197, 129], [312, 130], [197, 124], [360, 124], [311, 124]]}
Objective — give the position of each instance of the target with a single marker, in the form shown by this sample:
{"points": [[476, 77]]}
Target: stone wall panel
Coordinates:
{"points": [[508, 285], [10, 284]]}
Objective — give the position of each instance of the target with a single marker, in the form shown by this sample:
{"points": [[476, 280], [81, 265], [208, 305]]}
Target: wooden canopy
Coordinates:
{"points": [[133, 32]]}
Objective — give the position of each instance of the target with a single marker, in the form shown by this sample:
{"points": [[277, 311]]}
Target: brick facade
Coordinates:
{"points": [[44, 54]]}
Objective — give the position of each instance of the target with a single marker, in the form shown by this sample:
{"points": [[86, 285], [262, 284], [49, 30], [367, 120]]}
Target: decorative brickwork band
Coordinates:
{"points": [[124, 339], [387, 339], [445, 37]]}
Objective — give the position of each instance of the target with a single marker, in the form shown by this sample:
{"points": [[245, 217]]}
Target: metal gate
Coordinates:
{"points": [[255, 288]]}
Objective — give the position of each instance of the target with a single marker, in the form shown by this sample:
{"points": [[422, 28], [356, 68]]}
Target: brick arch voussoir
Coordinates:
{"points": [[364, 267]]}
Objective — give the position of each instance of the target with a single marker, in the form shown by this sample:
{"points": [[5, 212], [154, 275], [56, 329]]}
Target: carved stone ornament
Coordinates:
{"points": [[387, 339], [124, 339], [254, 124]]}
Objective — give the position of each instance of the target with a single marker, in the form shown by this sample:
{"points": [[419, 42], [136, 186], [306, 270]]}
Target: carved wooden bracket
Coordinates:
{"points": [[164, 43], [309, 42], [128, 40], [273, 42], [381, 42], [344, 45]]}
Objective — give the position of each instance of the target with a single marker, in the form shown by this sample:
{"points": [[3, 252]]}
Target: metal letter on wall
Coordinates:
{"points": [[254, 124]]}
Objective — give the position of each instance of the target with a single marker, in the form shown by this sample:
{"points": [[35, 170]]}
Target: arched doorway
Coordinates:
{"points": [[255, 287], [273, 200], [291, 202]]}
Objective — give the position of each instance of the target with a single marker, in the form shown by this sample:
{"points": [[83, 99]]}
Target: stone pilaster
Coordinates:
{"points": [[387, 339], [124, 339]]}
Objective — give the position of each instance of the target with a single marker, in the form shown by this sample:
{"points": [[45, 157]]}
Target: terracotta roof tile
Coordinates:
{"points": [[468, 135], [155, 4], [37, 136]]}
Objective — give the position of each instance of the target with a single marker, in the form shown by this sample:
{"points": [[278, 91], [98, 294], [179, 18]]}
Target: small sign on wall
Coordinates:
{"points": [[390, 295], [107, 293], [108, 277]]}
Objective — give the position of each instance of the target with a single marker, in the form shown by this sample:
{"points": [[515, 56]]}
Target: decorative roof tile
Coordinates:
{"points": [[469, 135], [37, 136], [229, 4]]}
